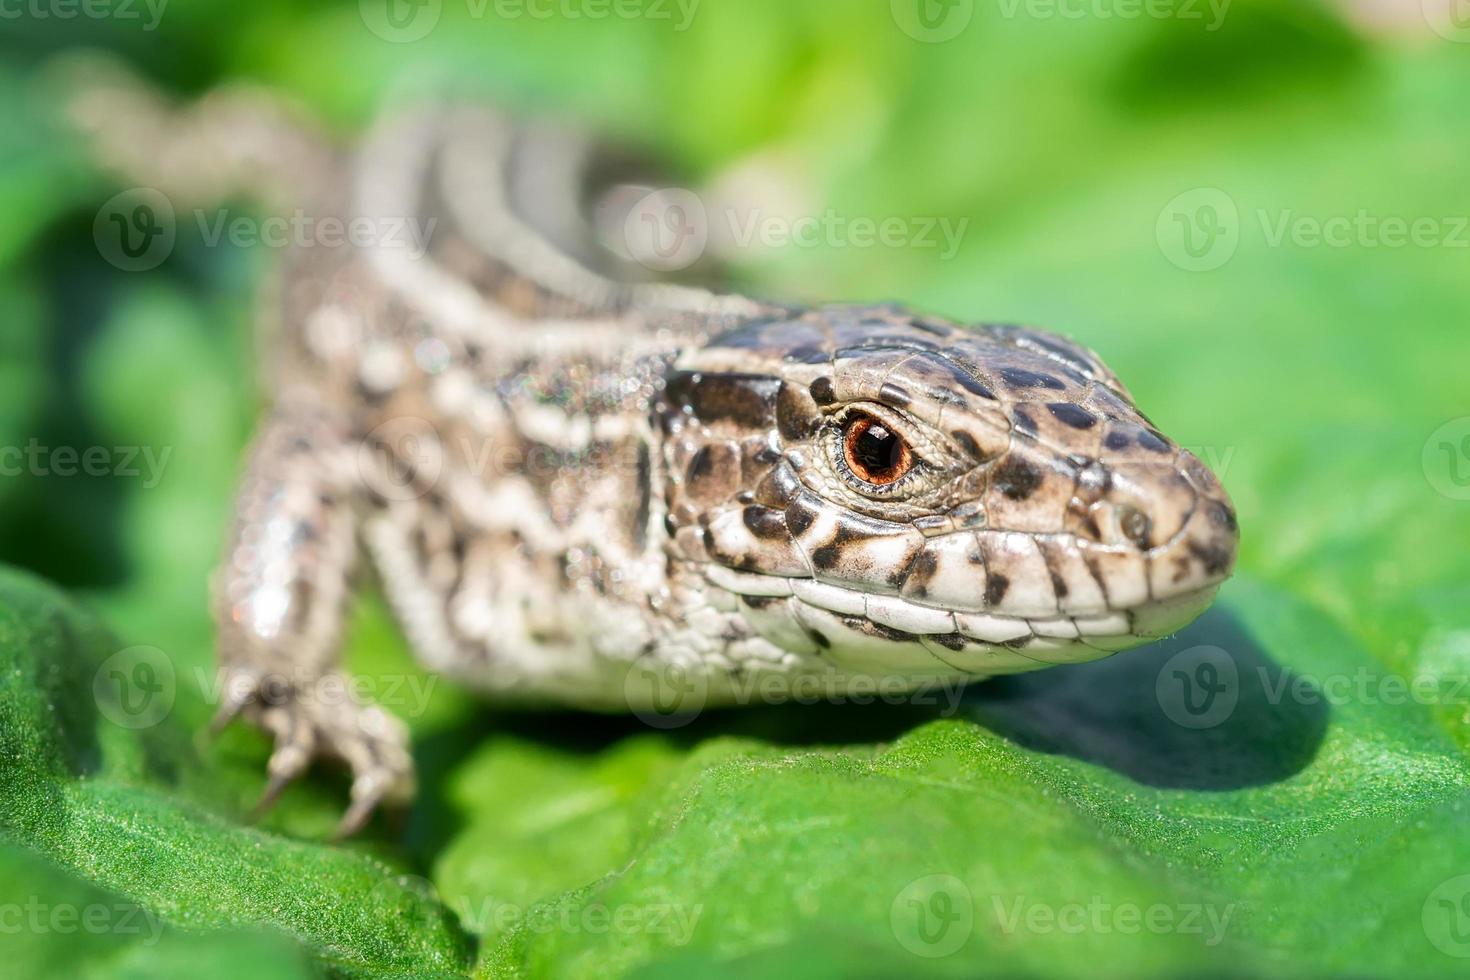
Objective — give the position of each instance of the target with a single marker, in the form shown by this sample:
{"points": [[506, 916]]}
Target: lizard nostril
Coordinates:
{"points": [[1135, 526]]}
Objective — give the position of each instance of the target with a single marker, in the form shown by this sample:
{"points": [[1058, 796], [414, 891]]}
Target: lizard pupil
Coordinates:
{"points": [[874, 452]]}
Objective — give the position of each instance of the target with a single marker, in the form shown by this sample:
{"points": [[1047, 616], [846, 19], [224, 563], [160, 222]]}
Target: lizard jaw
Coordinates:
{"points": [[890, 634]]}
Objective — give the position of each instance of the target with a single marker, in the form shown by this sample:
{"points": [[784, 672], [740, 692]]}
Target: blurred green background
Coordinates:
{"points": [[1256, 210]]}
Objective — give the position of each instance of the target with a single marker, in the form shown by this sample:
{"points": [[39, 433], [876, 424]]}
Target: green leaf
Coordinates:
{"points": [[1058, 808], [99, 778], [56, 924]]}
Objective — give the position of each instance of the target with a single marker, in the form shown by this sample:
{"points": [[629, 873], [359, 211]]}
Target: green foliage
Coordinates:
{"points": [[1315, 827]]}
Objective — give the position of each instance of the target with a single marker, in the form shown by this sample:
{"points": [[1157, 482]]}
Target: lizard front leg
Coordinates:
{"points": [[280, 603]]}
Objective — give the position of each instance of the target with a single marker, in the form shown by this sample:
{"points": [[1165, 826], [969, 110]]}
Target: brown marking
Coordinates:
{"points": [[765, 523], [1016, 478]]}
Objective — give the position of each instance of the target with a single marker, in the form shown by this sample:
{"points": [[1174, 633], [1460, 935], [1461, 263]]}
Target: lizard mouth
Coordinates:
{"points": [[875, 631]]}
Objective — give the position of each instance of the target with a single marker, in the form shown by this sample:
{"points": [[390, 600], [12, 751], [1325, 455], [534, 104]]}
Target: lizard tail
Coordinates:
{"points": [[236, 141]]}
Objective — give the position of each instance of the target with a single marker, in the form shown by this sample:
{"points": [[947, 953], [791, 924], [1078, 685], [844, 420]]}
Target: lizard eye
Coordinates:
{"points": [[874, 452]]}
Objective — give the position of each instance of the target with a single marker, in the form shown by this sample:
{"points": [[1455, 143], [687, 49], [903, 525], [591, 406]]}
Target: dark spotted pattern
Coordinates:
{"points": [[1038, 493], [1016, 478], [822, 391], [748, 400], [1069, 414], [1019, 378], [1153, 442]]}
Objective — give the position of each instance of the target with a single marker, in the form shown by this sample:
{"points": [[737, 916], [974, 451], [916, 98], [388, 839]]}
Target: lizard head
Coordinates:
{"points": [[898, 493]]}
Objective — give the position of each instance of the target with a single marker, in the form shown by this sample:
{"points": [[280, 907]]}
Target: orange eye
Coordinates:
{"points": [[874, 452]]}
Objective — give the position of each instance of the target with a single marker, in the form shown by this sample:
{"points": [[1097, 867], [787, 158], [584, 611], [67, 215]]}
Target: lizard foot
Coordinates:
{"points": [[320, 719]]}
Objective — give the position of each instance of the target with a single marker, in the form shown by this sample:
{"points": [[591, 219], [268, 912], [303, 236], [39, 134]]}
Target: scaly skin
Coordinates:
{"points": [[563, 476]]}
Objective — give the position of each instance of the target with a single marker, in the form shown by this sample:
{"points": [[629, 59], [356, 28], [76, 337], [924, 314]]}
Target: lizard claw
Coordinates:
{"points": [[382, 769], [368, 792], [306, 727], [239, 691], [274, 786], [295, 744]]}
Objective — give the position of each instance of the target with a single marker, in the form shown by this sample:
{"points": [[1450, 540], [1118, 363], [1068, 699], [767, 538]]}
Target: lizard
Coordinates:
{"points": [[562, 470]]}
